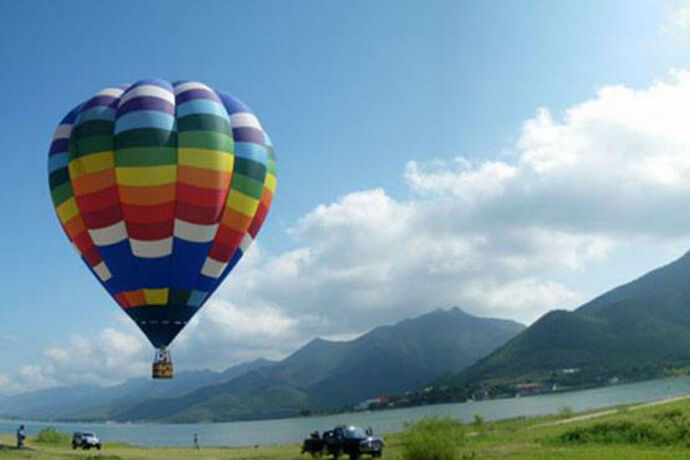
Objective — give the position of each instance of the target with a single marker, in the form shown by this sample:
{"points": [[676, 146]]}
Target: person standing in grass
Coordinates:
{"points": [[196, 441], [20, 437]]}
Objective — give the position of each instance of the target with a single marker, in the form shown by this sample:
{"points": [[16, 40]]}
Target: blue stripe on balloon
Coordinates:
{"points": [[198, 106], [101, 112], [71, 117], [232, 104], [58, 146], [57, 161], [205, 283], [144, 119], [121, 263], [231, 265], [248, 134], [197, 298], [154, 273], [188, 259], [251, 151]]}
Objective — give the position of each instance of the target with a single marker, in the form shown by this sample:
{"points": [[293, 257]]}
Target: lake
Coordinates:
{"points": [[295, 429]]}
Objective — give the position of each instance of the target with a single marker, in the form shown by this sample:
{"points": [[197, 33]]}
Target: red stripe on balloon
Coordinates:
{"points": [[103, 218], [92, 256], [96, 201], [150, 232], [148, 214], [198, 196], [257, 222], [197, 214]]}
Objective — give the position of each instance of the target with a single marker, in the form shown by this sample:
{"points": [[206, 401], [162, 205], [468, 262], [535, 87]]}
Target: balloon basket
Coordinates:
{"points": [[162, 365]]}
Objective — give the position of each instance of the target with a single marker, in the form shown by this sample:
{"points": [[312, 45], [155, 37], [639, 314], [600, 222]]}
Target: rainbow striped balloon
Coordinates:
{"points": [[161, 188]]}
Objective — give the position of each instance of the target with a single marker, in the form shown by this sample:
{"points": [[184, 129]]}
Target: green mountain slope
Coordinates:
{"points": [[644, 322]]}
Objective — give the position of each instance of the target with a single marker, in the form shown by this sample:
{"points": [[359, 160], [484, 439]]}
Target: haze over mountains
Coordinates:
{"points": [[320, 375]]}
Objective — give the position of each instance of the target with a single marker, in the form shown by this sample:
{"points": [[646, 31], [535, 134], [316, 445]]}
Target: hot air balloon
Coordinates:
{"points": [[161, 188]]}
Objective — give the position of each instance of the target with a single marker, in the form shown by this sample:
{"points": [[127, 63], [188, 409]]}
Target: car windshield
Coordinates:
{"points": [[88, 435], [355, 432]]}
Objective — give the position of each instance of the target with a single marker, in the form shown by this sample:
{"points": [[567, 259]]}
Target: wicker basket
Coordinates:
{"points": [[162, 364]]}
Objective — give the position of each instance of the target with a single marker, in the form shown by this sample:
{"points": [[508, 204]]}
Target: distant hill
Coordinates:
{"points": [[92, 402], [643, 323], [325, 374]]}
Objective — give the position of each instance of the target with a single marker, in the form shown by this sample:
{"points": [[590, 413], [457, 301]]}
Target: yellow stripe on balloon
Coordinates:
{"points": [[67, 210], [242, 203], [208, 159], [91, 163], [146, 175], [156, 296], [270, 182]]}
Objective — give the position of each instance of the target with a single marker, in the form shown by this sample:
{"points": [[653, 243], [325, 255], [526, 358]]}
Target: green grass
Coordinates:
{"points": [[629, 433], [667, 428], [432, 439], [51, 436]]}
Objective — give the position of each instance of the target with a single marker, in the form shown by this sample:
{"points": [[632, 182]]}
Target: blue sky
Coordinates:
{"points": [[350, 92]]}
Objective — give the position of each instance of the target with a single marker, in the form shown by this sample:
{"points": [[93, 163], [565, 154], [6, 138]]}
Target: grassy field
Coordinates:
{"points": [[625, 433]]}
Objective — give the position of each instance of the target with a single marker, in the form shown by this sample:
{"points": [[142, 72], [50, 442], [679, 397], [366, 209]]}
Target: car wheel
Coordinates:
{"points": [[74, 446], [354, 455], [98, 446]]}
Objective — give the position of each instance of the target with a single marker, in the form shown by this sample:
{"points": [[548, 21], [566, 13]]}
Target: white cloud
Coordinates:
{"points": [[499, 237], [26, 378], [496, 237], [109, 357]]}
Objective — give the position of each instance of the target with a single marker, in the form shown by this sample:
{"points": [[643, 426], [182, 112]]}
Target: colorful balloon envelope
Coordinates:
{"points": [[161, 188]]}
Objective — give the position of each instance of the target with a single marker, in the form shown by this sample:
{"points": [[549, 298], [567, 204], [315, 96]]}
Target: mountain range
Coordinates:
{"points": [[322, 375]]}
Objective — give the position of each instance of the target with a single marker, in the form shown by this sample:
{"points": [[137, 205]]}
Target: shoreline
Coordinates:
{"points": [[579, 416], [8, 420]]}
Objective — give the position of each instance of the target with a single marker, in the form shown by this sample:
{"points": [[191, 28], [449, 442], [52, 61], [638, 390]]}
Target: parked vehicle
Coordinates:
{"points": [[344, 440], [85, 440]]}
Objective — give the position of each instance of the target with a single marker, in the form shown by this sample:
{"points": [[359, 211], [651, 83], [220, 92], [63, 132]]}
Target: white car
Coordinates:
{"points": [[85, 440]]}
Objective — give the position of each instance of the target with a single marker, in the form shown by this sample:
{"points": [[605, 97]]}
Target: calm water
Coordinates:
{"points": [[295, 429]]}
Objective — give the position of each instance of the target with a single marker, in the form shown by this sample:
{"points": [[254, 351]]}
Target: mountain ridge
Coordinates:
{"points": [[321, 375], [645, 322]]}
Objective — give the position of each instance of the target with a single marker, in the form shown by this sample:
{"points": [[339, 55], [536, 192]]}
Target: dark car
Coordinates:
{"points": [[344, 440], [85, 440]]}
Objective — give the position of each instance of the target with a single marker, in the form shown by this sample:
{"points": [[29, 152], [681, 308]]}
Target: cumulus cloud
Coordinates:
{"points": [[489, 235], [106, 358], [27, 377], [498, 237]]}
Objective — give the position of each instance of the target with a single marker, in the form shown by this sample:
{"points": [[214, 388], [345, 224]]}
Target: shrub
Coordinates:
{"points": [[669, 428], [478, 420], [50, 435], [613, 433], [432, 438]]}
